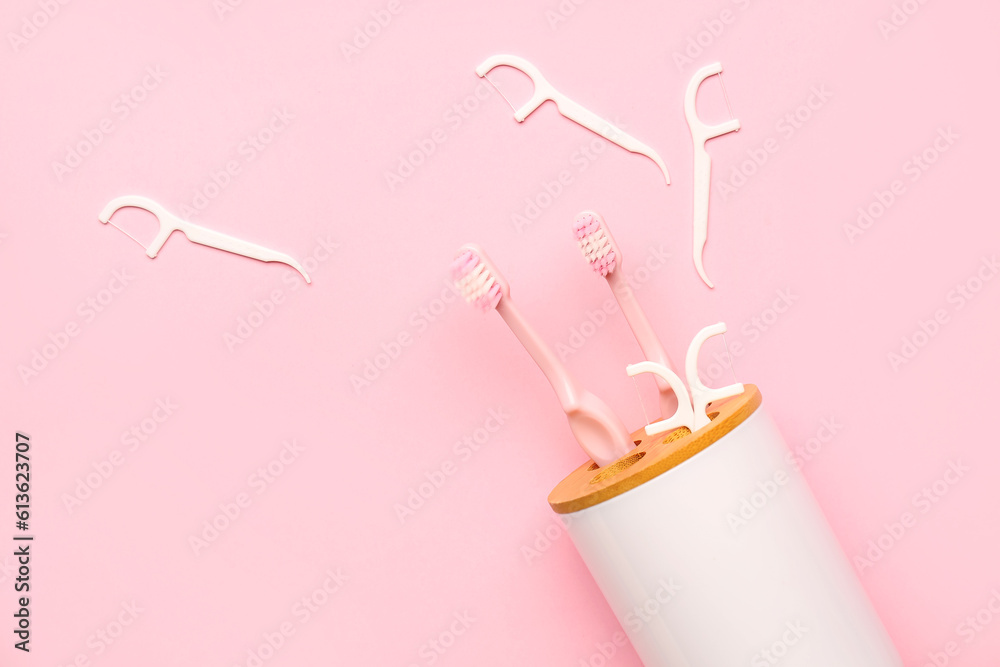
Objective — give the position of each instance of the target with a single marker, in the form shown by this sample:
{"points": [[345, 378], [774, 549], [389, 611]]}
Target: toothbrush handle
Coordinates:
{"points": [[641, 327], [566, 389], [597, 428], [648, 341]]}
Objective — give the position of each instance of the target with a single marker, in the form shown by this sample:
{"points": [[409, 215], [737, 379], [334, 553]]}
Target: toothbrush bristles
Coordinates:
{"points": [[474, 281], [594, 243]]}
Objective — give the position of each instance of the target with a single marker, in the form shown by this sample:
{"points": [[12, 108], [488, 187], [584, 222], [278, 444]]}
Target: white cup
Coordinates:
{"points": [[727, 560]]}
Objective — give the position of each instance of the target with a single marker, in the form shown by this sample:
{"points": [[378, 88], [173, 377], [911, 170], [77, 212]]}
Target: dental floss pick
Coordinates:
{"points": [[169, 223], [701, 133], [683, 415], [692, 400], [701, 395], [544, 91]]}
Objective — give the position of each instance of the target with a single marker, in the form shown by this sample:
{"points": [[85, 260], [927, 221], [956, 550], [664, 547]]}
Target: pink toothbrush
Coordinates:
{"points": [[605, 258], [596, 427]]}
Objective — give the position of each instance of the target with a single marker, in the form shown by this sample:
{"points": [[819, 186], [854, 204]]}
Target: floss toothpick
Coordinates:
{"points": [[701, 133], [701, 395], [684, 415], [169, 223], [691, 406], [545, 91]]}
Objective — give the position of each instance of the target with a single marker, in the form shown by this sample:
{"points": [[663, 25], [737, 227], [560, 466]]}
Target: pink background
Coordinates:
{"points": [[467, 549]]}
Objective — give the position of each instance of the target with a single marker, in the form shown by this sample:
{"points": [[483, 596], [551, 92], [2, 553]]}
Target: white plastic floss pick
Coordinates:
{"points": [[700, 133], [170, 223], [712, 552], [691, 405], [545, 91]]}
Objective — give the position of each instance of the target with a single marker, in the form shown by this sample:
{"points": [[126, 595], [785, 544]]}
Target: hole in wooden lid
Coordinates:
{"points": [[616, 467], [676, 434]]}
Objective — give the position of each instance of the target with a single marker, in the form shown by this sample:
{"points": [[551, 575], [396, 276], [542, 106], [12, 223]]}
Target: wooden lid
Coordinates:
{"points": [[589, 485]]}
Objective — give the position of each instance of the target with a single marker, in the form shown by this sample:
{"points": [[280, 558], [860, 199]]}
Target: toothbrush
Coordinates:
{"points": [[600, 432], [605, 258]]}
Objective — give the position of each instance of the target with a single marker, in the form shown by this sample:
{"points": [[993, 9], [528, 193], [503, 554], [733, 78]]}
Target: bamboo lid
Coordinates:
{"points": [[589, 485]]}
